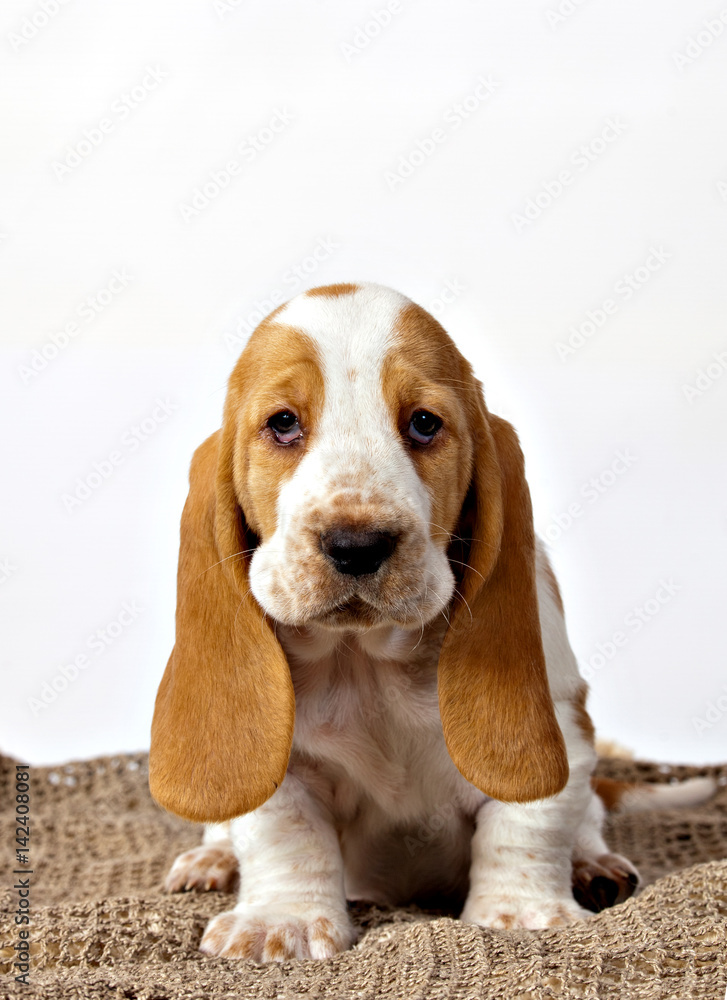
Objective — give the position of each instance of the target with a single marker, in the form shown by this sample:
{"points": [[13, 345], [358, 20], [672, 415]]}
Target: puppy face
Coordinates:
{"points": [[353, 455], [355, 446]]}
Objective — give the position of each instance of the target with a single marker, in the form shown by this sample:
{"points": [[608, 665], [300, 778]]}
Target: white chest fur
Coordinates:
{"points": [[368, 743]]}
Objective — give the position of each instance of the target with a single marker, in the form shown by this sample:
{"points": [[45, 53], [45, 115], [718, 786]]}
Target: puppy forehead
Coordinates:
{"points": [[374, 336], [353, 327]]}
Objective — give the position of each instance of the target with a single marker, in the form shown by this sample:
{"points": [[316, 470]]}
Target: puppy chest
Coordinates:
{"points": [[368, 735]]}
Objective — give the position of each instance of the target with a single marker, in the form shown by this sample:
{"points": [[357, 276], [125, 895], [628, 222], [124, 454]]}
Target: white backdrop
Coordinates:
{"points": [[549, 177]]}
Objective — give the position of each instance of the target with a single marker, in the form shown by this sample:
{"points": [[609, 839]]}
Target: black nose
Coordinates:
{"points": [[357, 553]]}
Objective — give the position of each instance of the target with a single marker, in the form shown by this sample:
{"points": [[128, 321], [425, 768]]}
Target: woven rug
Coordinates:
{"points": [[101, 927]]}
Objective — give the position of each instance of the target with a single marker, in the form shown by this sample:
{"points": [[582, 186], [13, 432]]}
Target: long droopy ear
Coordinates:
{"points": [[495, 703], [224, 713]]}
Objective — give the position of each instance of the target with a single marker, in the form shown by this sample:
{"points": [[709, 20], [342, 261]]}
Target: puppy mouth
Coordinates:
{"points": [[358, 614], [353, 612]]}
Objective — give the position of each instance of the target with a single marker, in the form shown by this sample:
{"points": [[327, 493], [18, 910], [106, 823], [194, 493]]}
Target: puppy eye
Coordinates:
{"points": [[423, 426], [285, 427]]}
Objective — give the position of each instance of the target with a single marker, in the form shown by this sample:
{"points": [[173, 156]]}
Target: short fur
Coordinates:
{"points": [[414, 733]]}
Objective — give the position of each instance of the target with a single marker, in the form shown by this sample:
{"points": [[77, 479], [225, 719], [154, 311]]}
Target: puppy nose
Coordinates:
{"points": [[357, 553]]}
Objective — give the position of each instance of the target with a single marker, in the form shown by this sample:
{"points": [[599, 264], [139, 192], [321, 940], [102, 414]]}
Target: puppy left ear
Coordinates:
{"points": [[224, 714], [497, 712]]}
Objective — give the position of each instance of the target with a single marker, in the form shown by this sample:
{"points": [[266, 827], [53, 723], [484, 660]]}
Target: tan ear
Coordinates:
{"points": [[224, 713], [495, 703]]}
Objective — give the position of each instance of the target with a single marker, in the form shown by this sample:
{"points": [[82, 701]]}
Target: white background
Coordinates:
{"points": [[200, 79]]}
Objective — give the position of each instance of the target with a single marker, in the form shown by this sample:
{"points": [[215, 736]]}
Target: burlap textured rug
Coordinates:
{"points": [[102, 928]]}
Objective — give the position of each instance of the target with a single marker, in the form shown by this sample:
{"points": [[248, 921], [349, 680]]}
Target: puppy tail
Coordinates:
{"points": [[635, 796]]}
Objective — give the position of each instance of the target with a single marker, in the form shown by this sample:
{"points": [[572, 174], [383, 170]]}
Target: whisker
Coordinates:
{"points": [[234, 555], [467, 566], [421, 634], [459, 594], [459, 538]]}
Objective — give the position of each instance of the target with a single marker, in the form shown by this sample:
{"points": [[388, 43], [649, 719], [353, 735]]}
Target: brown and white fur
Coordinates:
{"points": [[372, 695]]}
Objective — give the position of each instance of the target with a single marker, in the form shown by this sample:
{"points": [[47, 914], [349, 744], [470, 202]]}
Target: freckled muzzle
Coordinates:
{"points": [[365, 576], [371, 566]]}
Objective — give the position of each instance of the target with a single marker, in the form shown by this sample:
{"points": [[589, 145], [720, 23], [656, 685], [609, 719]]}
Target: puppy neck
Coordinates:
{"points": [[312, 643]]}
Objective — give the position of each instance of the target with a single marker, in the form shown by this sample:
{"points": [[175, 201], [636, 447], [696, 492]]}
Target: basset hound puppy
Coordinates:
{"points": [[371, 695]]}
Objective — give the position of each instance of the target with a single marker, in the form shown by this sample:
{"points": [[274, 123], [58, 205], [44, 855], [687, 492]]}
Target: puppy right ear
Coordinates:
{"points": [[224, 713], [497, 712]]}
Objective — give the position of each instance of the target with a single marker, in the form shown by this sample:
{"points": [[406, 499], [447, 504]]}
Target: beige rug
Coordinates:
{"points": [[102, 928]]}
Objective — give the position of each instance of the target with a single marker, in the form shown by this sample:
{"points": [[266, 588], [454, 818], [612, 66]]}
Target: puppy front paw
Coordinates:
{"points": [[507, 912], [262, 934], [210, 866], [603, 880]]}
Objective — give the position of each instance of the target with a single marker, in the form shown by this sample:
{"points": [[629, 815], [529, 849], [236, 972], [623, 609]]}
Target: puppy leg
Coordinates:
{"points": [[600, 878], [292, 902], [521, 874], [212, 865]]}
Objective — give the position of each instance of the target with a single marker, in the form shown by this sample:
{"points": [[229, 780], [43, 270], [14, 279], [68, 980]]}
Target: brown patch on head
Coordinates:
{"points": [[271, 316], [553, 587], [582, 718], [425, 371], [332, 291], [278, 370]]}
